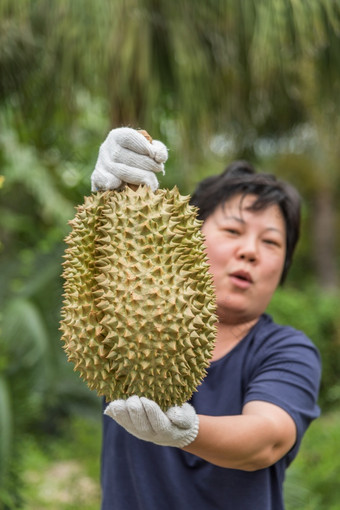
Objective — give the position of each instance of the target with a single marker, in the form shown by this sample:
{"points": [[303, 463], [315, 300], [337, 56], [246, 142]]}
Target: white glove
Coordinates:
{"points": [[144, 419], [126, 156]]}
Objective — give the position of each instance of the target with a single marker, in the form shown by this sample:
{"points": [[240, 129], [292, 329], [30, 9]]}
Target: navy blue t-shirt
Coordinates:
{"points": [[272, 363]]}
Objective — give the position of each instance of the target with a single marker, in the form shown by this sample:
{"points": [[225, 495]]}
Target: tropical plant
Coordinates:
{"points": [[315, 312], [312, 480]]}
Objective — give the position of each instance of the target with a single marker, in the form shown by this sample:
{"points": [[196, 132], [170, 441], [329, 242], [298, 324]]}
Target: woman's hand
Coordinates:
{"points": [[144, 419], [126, 156]]}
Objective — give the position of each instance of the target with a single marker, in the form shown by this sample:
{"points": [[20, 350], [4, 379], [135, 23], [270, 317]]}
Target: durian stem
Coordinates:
{"points": [[134, 187], [146, 134]]}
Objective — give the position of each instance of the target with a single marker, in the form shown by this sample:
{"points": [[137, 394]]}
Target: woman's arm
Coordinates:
{"points": [[254, 440]]}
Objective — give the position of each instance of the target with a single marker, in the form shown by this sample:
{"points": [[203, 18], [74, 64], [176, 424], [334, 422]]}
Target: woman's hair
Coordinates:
{"points": [[240, 178]]}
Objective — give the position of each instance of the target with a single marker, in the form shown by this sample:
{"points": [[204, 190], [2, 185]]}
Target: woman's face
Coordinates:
{"points": [[246, 252]]}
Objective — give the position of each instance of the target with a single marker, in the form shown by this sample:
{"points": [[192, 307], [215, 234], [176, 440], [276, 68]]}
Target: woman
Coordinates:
{"points": [[229, 447]]}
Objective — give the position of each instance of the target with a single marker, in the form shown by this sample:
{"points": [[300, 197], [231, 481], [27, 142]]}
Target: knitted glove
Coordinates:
{"points": [[126, 156], [144, 419]]}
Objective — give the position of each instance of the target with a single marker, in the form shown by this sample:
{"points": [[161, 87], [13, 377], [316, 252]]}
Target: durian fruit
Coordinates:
{"points": [[138, 315]]}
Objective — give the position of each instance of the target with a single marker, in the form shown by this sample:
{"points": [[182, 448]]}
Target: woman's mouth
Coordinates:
{"points": [[241, 279]]}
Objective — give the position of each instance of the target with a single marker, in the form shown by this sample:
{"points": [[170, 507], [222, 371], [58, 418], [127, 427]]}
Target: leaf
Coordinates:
{"points": [[25, 333], [24, 167], [5, 427]]}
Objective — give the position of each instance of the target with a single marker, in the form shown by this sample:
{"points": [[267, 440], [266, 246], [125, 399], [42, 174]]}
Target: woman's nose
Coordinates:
{"points": [[248, 251]]}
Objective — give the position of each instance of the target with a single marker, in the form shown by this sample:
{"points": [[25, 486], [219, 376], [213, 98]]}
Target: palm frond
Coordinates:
{"points": [[24, 167]]}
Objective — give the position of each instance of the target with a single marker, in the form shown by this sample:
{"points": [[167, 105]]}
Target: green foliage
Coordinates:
{"points": [[316, 313], [38, 389], [10, 496], [63, 471], [5, 426], [313, 478]]}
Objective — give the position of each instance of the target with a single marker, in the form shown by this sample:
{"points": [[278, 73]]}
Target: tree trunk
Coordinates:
{"points": [[324, 240]]}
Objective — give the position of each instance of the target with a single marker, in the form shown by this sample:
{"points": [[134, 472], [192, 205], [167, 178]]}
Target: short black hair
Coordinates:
{"points": [[240, 178]]}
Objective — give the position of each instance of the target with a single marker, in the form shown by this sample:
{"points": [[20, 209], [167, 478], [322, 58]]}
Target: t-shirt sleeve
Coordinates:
{"points": [[287, 374]]}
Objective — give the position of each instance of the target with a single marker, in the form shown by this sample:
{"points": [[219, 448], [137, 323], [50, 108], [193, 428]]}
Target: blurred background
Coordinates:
{"points": [[214, 80]]}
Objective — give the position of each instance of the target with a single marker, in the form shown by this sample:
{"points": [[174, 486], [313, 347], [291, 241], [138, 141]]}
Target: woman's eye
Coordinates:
{"points": [[232, 231], [271, 242]]}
